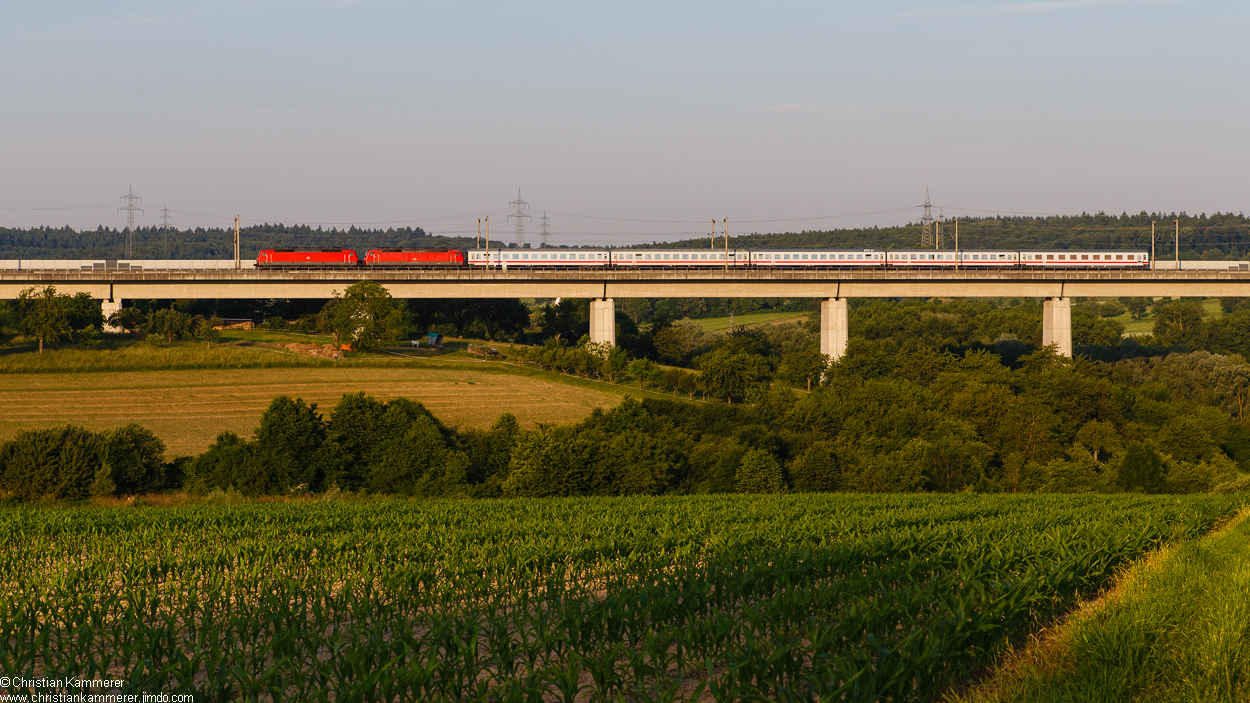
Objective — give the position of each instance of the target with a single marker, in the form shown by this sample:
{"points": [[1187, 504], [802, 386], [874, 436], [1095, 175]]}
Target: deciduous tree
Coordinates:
{"points": [[42, 315]]}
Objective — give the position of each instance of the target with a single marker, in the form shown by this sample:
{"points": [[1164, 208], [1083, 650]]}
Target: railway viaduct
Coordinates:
{"points": [[1056, 288]]}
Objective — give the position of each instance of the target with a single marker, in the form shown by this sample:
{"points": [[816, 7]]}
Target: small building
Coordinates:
{"points": [[434, 339]]}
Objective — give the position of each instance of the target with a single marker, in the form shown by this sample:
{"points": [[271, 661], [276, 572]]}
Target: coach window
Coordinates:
{"points": [[1084, 257]]}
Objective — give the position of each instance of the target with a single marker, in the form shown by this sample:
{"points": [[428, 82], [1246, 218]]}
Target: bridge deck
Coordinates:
{"points": [[596, 283]]}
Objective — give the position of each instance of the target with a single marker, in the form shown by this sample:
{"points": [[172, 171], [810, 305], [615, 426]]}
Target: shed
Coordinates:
{"points": [[434, 339]]}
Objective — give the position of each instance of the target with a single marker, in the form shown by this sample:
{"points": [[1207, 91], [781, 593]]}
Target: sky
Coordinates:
{"points": [[623, 122]]}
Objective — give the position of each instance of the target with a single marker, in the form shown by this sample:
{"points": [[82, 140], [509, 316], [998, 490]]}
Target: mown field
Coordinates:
{"points": [[188, 408], [716, 324], [779, 598]]}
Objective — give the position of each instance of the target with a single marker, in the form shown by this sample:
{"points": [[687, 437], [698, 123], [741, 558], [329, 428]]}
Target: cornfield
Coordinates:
{"points": [[779, 598]]}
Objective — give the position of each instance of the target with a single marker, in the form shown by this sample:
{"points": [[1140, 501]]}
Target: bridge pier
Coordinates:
{"points": [[108, 307], [834, 327], [603, 322], [1057, 324]]}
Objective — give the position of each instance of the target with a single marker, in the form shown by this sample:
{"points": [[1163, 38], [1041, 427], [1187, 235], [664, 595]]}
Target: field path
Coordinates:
{"points": [[187, 409]]}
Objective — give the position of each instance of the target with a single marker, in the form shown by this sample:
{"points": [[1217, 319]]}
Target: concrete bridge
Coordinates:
{"points": [[603, 285]]}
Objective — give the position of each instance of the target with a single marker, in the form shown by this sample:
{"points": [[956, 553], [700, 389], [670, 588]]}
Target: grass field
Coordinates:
{"points": [[716, 324], [1146, 324], [1175, 628], [760, 598], [187, 409]]}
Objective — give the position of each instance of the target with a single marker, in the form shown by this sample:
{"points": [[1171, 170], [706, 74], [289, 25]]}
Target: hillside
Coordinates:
{"points": [[1215, 237]]}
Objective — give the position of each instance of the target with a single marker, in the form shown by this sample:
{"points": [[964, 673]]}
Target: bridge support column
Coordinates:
{"points": [[834, 327], [108, 307], [603, 322], [1057, 324]]}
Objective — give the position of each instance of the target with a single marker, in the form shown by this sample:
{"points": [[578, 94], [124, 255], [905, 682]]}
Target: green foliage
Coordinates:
{"points": [[203, 243], [83, 311], [625, 451], [1135, 306], [366, 317], [644, 371], [759, 472], [802, 367], [818, 469], [731, 373], [169, 324], [230, 463], [205, 329], [70, 463], [408, 453], [129, 319], [87, 337], [43, 315], [132, 456], [1176, 631], [1141, 469], [1181, 322], [288, 445]]}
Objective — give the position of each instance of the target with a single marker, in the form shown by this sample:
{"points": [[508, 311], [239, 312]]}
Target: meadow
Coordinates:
{"points": [[718, 324], [1176, 627], [189, 408], [780, 598]]}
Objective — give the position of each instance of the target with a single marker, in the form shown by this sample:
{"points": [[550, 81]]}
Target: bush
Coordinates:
{"points": [[759, 472], [817, 469], [71, 463], [1240, 485], [1141, 469]]}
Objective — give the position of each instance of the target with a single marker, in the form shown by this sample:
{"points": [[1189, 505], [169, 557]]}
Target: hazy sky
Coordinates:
{"points": [[433, 113]]}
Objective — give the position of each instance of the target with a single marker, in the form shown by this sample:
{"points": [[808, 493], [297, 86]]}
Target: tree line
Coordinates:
{"points": [[1216, 236], [885, 420]]}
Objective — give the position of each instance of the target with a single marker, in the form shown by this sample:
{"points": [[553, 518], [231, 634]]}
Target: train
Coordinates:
{"points": [[504, 259], [628, 259]]}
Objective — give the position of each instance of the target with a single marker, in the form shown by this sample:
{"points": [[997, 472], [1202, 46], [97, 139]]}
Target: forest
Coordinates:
{"points": [[931, 395], [1218, 236]]}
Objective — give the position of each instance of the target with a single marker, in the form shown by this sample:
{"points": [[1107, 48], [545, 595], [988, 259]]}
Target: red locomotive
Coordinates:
{"points": [[306, 257], [414, 257]]}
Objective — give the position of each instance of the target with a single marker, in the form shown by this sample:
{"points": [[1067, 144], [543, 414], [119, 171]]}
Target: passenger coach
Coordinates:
{"points": [[817, 258], [677, 258], [1085, 258]]}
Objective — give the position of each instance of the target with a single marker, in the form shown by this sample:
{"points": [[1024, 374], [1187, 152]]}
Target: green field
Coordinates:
{"points": [[778, 598], [716, 324], [1146, 324]]}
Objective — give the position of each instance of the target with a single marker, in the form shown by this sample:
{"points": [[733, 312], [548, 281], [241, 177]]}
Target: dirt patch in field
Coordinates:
{"points": [[188, 409]]}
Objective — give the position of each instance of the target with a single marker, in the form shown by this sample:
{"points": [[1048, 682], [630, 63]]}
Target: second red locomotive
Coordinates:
{"points": [[414, 257]]}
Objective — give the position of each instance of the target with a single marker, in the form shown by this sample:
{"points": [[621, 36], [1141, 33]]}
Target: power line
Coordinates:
{"points": [[130, 199], [518, 211], [545, 234], [926, 228], [165, 227]]}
